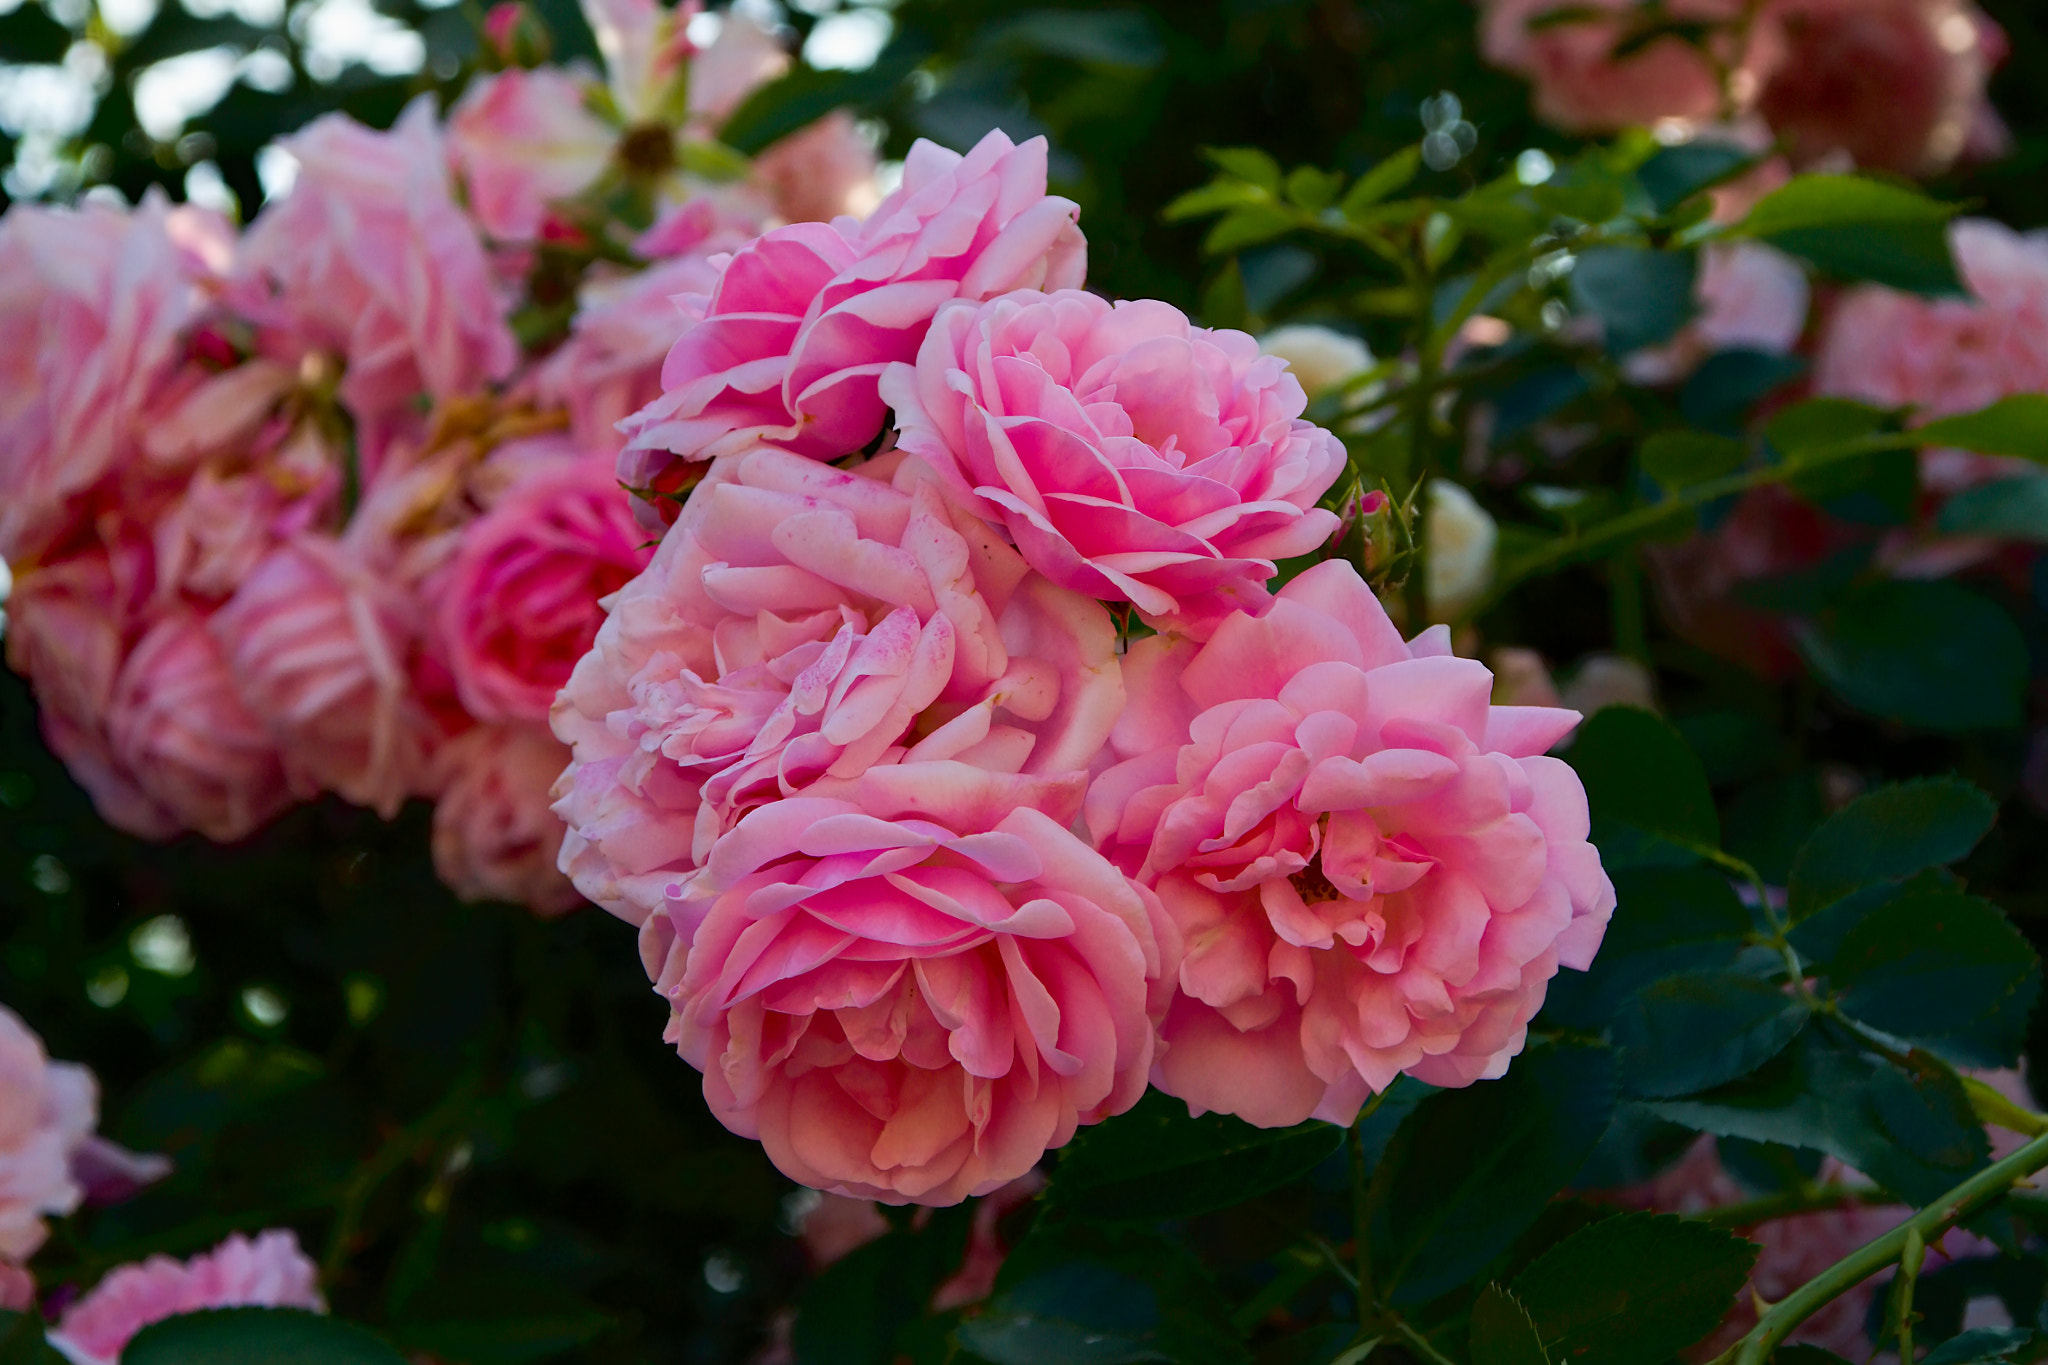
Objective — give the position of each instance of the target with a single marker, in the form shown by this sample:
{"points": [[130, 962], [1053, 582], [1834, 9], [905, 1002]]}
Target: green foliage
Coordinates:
{"points": [[256, 1336], [1632, 1290], [1860, 229], [1888, 835]]}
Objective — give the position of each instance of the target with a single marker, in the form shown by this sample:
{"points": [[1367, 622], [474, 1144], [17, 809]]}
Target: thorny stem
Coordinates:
{"points": [[1910, 1257]]}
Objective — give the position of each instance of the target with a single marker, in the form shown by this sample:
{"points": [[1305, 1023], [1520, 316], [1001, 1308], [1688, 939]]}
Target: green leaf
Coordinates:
{"points": [[1928, 654], [1935, 965], [1692, 1032], [1388, 177], [1156, 1162], [711, 159], [1247, 163], [855, 1311], [1888, 835], [1821, 425], [1979, 1345], [173, 32], [2010, 509], [1666, 920], [1218, 196], [22, 1341], [498, 1319], [1673, 175], [1642, 297], [256, 1336], [1502, 1332], [1472, 1168], [806, 94], [1313, 189], [1633, 1289], [1727, 385], [1679, 459], [2016, 426], [1248, 226], [1641, 774], [1860, 229]]}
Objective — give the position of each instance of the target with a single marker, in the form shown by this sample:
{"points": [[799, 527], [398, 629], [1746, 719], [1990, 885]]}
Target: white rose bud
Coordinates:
{"points": [[1461, 537], [1320, 358]]}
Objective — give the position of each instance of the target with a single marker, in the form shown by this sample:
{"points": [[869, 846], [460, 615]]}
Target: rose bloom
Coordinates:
{"points": [[177, 723], [318, 642], [820, 171], [92, 304], [1897, 84], [802, 623], [494, 836], [267, 1272], [1462, 537], [519, 603], [789, 345], [1580, 84], [1375, 871], [1131, 456], [911, 994], [1751, 297], [47, 1111], [519, 139]]}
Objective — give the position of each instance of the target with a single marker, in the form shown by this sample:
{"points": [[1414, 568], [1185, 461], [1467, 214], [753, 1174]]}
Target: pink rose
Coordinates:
{"points": [[318, 643], [1751, 297], [803, 623], [92, 304], [1898, 84], [1947, 356], [1131, 456], [820, 172], [47, 1110], [370, 260], [519, 604], [17, 1289], [1582, 86], [1375, 870], [789, 345], [494, 836], [210, 539], [743, 57], [520, 139], [177, 723], [914, 993], [268, 1272]]}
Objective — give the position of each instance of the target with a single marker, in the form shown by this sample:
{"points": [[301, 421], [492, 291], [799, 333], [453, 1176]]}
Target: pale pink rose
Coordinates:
{"points": [[521, 139], [1375, 870], [93, 302], [17, 1289], [743, 57], [519, 602], [1897, 84], [820, 171], [610, 365], [177, 723], [66, 625], [789, 345], [215, 412], [494, 836], [318, 641], [801, 624], [370, 260], [1751, 297], [1947, 356], [911, 994], [207, 542], [1131, 456], [47, 1110], [644, 45], [1582, 86], [267, 1272]]}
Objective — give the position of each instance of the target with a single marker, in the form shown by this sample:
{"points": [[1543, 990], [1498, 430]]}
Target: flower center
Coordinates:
{"points": [[1313, 887]]}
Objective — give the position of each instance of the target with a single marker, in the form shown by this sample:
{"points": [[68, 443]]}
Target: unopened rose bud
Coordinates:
{"points": [[1461, 537], [515, 35], [1322, 359]]}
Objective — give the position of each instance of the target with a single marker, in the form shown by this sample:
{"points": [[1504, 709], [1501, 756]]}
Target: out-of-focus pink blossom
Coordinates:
{"points": [[820, 172], [176, 722], [1131, 456], [369, 259], [318, 642], [644, 45], [788, 347], [1897, 84], [911, 994], [494, 836], [610, 365], [1581, 85], [17, 1289], [92, 304], [1375, 871], [519, 139], [219, 414], [1751, 297], [47, 1109], [743, 57], [267, 1272], [520, 602], [207, 541], [803, 623]]}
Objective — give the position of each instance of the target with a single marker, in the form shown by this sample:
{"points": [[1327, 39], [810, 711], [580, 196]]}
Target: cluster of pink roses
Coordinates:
{"points": [[292, 510], [964, 766], [1893, 85]]}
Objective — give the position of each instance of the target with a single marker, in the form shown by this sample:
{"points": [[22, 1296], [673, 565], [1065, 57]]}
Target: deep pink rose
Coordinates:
{"points": [[904, 998], [1375, 870], [494, 836], [789, 345], [318, 642], [520, 139], [1582, 86], [1897, 84], [519, 604], [1131, 456], [177, 723], [92, 304], [47, 1110], [370, 260], [803, 623], [267, 1272]]}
